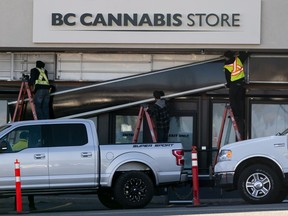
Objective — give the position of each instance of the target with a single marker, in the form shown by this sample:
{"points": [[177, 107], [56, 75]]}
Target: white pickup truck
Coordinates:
{"points": [[258, 168], [63, 156]]}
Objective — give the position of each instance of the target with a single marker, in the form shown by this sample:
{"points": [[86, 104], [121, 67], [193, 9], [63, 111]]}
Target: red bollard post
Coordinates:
{"points": [[195, 178], [18, 187]]}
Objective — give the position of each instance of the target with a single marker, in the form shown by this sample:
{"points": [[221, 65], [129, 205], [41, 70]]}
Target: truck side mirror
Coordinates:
{"points": [[4, 146]]}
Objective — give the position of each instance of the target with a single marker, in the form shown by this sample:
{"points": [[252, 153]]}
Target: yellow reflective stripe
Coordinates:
{"points": [[41, 76], [236, 69]]}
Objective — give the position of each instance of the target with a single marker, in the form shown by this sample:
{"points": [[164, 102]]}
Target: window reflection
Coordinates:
{"points": [[228, 135], [125, 126], [181, 130], [268, 119]]}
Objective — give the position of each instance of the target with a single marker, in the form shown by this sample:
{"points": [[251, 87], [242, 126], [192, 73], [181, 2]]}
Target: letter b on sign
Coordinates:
{"points": [[58, 19]]}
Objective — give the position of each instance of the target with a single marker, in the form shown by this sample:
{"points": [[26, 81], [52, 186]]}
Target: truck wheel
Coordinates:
{"points": [[133, 190], [107, 199], [259, 184]]}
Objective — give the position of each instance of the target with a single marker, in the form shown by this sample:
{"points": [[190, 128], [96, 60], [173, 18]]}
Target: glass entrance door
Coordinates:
{"points": [[182, 130]]}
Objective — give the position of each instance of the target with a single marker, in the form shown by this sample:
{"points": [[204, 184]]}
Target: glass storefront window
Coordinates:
{"points": [[228, 132], [181, 130], [268, 119], [125, 126], [4, 112]]}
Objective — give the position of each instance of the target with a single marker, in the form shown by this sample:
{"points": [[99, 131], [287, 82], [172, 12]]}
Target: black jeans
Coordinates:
{"points": [[237, 103]]}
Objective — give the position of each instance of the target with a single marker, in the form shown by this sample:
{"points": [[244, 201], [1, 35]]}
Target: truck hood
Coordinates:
{"points": [[264, 146], [273, 148]]}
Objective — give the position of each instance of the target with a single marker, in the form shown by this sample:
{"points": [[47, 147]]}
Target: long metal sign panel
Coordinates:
{"points": [[147, 21]]}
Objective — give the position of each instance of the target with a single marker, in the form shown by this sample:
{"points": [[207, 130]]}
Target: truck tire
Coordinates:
{"points": [[106, 197], [259, 184], [133, 190]]}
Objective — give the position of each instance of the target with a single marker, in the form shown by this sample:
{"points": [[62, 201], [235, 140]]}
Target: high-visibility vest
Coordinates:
{"points": [[42, 78], [236, 69]]}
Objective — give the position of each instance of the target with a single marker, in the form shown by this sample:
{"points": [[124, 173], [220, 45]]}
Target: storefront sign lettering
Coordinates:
{"points": [[165, 22], [151, 20]]}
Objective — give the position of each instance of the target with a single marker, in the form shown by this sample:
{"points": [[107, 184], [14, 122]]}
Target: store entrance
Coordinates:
{"points": [[182, 129]]}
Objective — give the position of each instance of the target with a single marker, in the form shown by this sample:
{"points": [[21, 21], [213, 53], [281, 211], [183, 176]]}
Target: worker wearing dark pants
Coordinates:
{"points": [[235, 77], [31, 202], [39, 81], [237, 103]]}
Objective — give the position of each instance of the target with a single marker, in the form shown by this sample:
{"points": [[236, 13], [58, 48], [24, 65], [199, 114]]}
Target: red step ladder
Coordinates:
{"points": [[227, 109], [151, 125], [24, 91]]}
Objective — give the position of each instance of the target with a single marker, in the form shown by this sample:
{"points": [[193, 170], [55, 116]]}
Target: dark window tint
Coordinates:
{"points": [[67, 135], [268, 69], [22, 138]]}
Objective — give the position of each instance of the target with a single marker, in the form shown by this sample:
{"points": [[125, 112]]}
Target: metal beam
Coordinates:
{"points": [[113, 108]]}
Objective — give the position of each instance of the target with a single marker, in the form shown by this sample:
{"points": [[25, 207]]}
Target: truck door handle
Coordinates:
{"points": [[39, 156], [86, 154]]}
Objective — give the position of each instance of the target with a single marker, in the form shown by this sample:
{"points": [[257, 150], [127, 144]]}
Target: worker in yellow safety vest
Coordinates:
{"points": [[22, 142], [39, 81], [235, 78]]}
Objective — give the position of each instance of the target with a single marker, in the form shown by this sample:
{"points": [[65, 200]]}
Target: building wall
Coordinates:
{"points": [[76, 66], [16, 24]]}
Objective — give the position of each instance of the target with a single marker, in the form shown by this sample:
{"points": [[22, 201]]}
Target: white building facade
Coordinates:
{"points": [[100, 40]]}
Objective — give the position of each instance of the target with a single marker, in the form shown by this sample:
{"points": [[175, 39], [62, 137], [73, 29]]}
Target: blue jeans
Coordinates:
{"points": [[41, 101]]}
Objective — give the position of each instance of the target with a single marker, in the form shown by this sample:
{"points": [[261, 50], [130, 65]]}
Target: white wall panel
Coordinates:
{"points": [[100, 67], [161, 61], [13, 65], [5, 66], [91, 67]]}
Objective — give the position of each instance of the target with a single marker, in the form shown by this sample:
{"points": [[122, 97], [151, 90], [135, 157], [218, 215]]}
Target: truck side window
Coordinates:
{"points": [[67, 135], [22, 141], [22, 138]]}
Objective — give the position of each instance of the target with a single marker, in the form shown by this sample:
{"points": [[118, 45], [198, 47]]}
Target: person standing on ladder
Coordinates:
{"points": [[160, 115], [39, 80], [235, 78]]}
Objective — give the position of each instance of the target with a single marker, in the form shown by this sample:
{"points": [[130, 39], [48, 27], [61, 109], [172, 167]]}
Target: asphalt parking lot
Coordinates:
{"points": [[70, 203]]}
